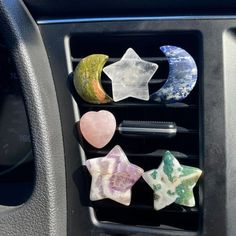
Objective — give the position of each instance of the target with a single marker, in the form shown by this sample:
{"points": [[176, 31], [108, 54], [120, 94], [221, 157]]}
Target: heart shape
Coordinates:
{"points": [[98, 128]]}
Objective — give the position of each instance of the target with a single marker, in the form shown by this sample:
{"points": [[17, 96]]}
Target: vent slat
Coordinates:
{"points": [[139, 104], [182, 130], [142, 145], [115, 59], [175, 208], [151, 82]]}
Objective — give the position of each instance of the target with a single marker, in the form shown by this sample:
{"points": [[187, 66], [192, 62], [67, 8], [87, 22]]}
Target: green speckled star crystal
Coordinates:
{"points": [[172, 182]]}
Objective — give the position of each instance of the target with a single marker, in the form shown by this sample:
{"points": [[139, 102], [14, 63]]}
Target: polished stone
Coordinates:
{"points": [[87, 79], [98, 128], [113, 176], [130, 76], [172, 182], [182, 76]]}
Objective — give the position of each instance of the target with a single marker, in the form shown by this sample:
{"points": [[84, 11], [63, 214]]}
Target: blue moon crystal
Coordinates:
{"points": [[182, 76]]}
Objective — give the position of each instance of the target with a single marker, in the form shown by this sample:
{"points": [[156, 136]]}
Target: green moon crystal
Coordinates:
{"points": [[87, 79], [172, 182]]}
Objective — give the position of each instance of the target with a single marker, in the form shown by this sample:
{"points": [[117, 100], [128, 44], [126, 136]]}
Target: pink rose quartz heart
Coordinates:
{"points": [[98, 128]]}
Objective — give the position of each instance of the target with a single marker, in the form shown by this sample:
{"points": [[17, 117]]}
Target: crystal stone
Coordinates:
{"points": [[98, 128], [113, 176], [172, 182], [130, 76]]}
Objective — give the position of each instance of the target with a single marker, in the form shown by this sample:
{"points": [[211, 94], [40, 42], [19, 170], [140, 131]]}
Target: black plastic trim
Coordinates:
{"points": [[47, 21], [78, 8]]}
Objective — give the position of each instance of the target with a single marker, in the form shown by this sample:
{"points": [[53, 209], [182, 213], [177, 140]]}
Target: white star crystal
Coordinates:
{"points": [[130, 76]]}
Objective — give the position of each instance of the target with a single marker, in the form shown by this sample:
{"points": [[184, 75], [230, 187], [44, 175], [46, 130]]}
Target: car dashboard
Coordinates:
{"points": [[45, 190]]}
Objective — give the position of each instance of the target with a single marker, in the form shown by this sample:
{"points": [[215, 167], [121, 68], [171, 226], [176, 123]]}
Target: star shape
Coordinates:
{"points": [[130, 76], [172, 182], [113, 176]]}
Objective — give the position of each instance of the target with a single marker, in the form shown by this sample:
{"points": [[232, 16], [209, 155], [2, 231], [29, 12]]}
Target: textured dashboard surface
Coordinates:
{"points": [[78, 8], [45, 212]]}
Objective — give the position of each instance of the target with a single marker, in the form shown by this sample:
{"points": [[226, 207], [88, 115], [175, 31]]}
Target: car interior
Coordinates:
{"points": [[46, 182]]}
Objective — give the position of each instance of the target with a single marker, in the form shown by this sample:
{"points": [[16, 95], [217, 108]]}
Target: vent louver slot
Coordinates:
{"points": [[144, 151]]}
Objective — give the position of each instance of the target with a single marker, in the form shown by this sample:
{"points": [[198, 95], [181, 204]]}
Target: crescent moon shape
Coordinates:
{"points": [[87, 79], [182, 76]]}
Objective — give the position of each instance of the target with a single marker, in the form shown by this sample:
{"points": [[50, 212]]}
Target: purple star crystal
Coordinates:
{"points": [[113, 176]]}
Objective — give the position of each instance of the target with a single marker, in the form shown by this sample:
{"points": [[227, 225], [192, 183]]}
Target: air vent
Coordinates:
{"points": [[144, 151]]}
